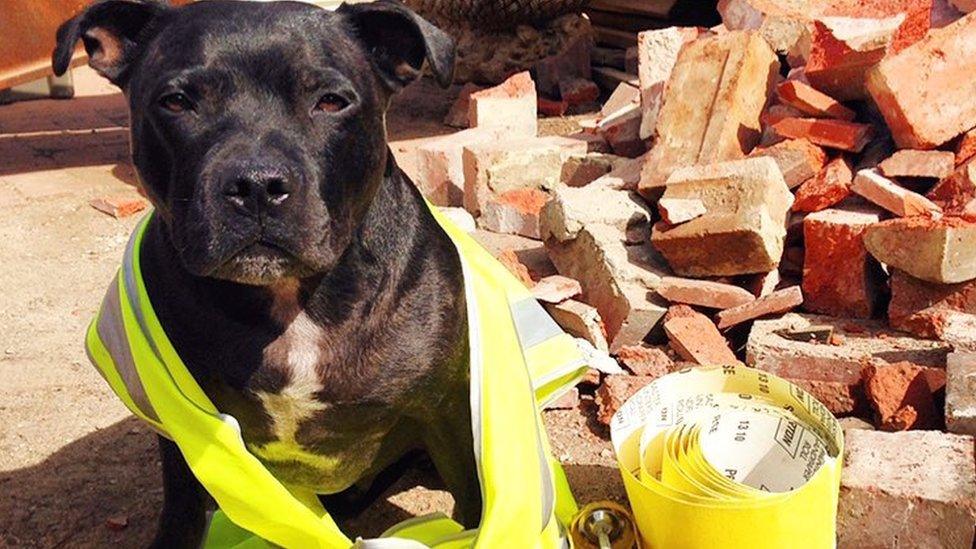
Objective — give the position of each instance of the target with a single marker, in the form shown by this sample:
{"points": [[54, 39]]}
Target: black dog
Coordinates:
{"points": [[293, 265]]}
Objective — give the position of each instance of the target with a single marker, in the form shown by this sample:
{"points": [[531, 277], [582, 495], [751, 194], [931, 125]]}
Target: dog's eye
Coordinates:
{"points": [[331, 102], [176, 102]]}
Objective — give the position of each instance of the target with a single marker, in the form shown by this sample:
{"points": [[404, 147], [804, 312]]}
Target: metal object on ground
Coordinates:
{"points": [[604, 525]]}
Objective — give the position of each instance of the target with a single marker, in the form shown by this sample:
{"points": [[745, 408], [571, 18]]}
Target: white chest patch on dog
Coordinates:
{"points": [[298, 352]]}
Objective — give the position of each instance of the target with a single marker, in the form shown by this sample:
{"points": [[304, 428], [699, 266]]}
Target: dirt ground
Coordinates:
{"points": [[71, 457]]}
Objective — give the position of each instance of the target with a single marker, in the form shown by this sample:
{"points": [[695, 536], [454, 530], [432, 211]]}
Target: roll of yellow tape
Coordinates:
{"points": [[729, 457]]}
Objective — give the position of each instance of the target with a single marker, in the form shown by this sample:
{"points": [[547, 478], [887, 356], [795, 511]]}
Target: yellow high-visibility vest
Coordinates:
{"points": [[520, 360]]}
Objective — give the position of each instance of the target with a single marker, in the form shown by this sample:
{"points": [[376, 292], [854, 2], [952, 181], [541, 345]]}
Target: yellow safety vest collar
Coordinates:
{"points": [[520, 360]]}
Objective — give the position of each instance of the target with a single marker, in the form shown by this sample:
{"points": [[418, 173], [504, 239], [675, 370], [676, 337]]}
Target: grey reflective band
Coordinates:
{"points": [[111, 331], [532, 323]]}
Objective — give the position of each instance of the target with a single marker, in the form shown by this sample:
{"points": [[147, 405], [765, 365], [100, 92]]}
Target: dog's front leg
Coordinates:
{"points": [[184, 520]]}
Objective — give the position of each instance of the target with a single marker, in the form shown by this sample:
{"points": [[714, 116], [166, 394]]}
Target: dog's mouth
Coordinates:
{"points": [[262, 263]]}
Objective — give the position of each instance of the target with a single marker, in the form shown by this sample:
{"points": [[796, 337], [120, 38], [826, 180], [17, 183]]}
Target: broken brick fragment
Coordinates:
{"points": [[120, 205], [926, 91], [514, 212], [939, 250], [678, 210], [510, 106], [812, 102], [578, 91], [901, 395], [928, 309], [580, 320], [712, 104], [916, 163], [777, 302], [510, 260], [695, 339], [643, 360], [798, 159], [704, 293], [457, 116], [614, 392], [889, 195], [956, 194], [907, 489], [556, 289], [834, 134], [840, 278], [827, 188]]}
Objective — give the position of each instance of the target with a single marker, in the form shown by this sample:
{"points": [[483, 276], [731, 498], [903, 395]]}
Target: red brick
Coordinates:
{"points": [[889, 195], [657, 53], [956, 194], [679, 210], [916, 163], [572, 62], [960, 401], [939, 250], [704, 293], [578, 91], [514, 212], [642, 360], [621, 129], [510, 106], [458, 115], [777, 302], [120, 205], [829, 187], [798, 159], [568, 401], [901, 395], [731, 76], [510, 260], [965, 147], [832, 372], [440, 167], [580, 320], [925, 308], [556, 289], [906, 489], [695, 339], [614, 391], [551, 107], [834, 134], [926, 91], [840, 278], [812, 102], [844, 48]]}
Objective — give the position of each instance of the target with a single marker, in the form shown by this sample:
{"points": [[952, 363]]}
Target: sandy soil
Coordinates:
{"points": [[73, 464]]}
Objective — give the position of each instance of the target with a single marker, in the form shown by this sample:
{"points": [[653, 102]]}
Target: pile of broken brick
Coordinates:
{"points": [[793, 190]]}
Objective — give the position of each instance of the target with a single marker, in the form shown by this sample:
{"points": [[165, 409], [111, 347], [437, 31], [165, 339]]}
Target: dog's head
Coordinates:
{"points": [[258, 128]]}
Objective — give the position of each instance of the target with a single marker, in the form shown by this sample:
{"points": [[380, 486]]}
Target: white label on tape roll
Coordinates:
{"points": [[767, 452]]}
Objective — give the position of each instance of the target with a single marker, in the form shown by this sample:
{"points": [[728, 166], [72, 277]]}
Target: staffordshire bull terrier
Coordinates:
{"points": [[296, 269]]}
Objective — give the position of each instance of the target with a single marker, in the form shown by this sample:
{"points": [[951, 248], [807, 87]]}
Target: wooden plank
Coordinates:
{"points": [[609, 78]]}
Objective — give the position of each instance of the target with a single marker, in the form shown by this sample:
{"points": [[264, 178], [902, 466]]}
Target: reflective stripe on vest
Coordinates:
{"points": [[530, 361]]}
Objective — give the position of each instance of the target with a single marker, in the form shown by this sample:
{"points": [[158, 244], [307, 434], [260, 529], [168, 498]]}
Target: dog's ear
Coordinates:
{"points": [[114, 33], [398, 40]]}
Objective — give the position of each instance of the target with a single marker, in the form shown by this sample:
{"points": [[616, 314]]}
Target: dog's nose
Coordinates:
{"points": [[257, 189]]}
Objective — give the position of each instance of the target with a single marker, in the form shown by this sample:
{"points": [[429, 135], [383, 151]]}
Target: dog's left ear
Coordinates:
{"points": [[398, 40], [114, 33]]}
